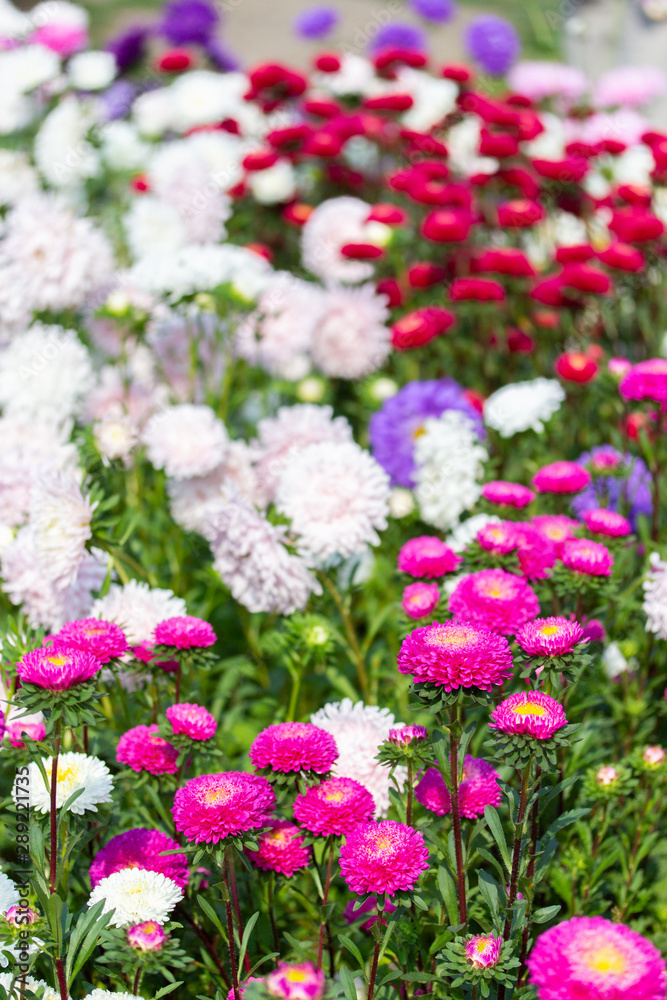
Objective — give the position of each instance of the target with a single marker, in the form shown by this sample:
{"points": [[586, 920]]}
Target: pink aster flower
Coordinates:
{"points": [[607, 522], [495, 599], [654, 756], [549, 636], [606, 775], [14, 730], [646, 380], [296, 982], [281, 849], [383, 857], [537, 554], [184, 632], [57, 668], [334, 807], [528, 713], [294, 746], [455, 655], [561, 477], [140, 848], [556, 527], [191, 720], [19, 916], [590, 957], [214, 806], [500, 537], [148, 936], [143, 749], [105, 640], [433, 793], [507, 494], [589, 558], [420, 599], [427, 556], [479, 787], [408, 734], [483, 950]]}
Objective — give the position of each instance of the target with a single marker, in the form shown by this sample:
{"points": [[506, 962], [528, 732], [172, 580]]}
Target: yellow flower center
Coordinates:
{"points": [[57, 659], [528, 708], [296, 975], [449, 637], [67, 777], [333, 796], [214, 796], [606, 958], [150, 927], [417, 433], [482, 945], [550, 629]]}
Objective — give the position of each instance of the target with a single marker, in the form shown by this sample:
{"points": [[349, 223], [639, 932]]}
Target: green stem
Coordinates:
{"points": [[53, 860], [408, 805], [272, 914], [230, 929], [325, 900], [519, 830], [355, 649]]}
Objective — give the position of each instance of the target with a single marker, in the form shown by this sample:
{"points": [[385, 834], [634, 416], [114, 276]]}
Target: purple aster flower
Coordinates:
{"points": [[188, 21], [117, 100], [398, 35], [316, 22], [394, 429], [129, 47], [437, 11], [221, 57], [493, 43], [626, 488]]}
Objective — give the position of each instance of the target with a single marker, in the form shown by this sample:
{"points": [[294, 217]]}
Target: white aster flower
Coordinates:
{"points": [[180, 176], [137, 895], [60, 518], [63, 154], [115, 436], [449, 459], [466, 532], [92, 70], [196, 268], [9, 895], [153, 226], [18, 178], [185, 440], [401, 502], [274, 185], [523, 406], [433, 98], [45, 374], [614, 662], [122, 146], [359, 730], [75, 771], [655, 597], [351, 338], [334, 223], [355, 76], [191, 500], [8, 980], [336, 496], [22, 69], [138, 608], [203, 97]]}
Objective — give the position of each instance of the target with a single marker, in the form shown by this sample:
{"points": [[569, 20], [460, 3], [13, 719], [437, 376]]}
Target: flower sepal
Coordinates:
{"points": [[518, 749], [435, 698], [75, 705]]}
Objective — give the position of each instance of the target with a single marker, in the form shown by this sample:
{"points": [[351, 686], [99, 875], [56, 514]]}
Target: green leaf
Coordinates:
{"points": [[352, 948], [212, 915], [167, 989], [491, 891], [348, 984], [247, 931], [447, 887], [571, 816], [495, 826], [545, 913]]}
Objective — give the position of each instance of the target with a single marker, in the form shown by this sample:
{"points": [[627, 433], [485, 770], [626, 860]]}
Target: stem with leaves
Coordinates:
{"points": [[355, 648], [377, 934], [325, 900], [230, 927], [53, 860], [454, 740]]}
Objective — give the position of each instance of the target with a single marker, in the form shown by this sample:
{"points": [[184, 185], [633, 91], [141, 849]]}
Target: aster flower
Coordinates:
{"points": [[187, 719], [483, 950], [550, 636], [45, 374], [398, 35], [57, 668], [350, 337], [143, 749], [493, 43], [433, 793], [100, 994], [334, 223], [9, 895], [407, 735], [557, 528], [540, 79], [590, 956], [147, 936], [420, 599], [316, 22], [14, 731], [140, 848], [294, 746], [655, 596], [185, 632], [8, 980], [138, 609], [185, 440], [136, 895], [436, 11], [214, 806], [607, 522], [479, 787], [626, 488], [296, 982], [646, 380], [588, 558], [75, 771], [507, 494], [60, 518], [185, 21], [500, 537], [523, 406], [561, 477], [383, 857], [427, 556], [334, 807], [449, 458], [456, 655], [528, 713], [281, 849], [495, 599], [537, 554], [103, 640], [395, 428]]}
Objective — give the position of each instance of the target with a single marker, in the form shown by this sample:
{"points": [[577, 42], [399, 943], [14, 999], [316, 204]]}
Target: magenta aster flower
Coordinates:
{"points": [[187, 719], [214, 806], [495, 599], [143, 749], [455, 655], [537, 554], [607, 522], [549, 636], [594, 959], [433, 793], [105, 640], [589, 558], [408, 734], [296, 982], [528, 713], [184, 632], [420, 599], [383, 857], [334, 807], [507, 494], [483, 950], [148, 936], [281, 849], [479, 787], [140, 848], [427, 556], [561, 477], [294, 746], [500, 537], [556, 527], [57, 668], [15, 730], [646, 380]]}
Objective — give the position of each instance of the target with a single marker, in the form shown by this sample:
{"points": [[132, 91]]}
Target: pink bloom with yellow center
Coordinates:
{"points": [[105, 640], [556, 527], [184, 632], [148, 936], [495, 599], [455, 654], [281, 849], [14, 731], [296, 982], [501, 537], [528, 713], [143, 749], [383, 857], [214, 806], [427, 556], [653, 756], [646, 380], [188, 719], [334, 807], [607, 522], [507, 494], [483, 950], [586, 557], [549, 636], [294, 746], [407, 735], [140, 848], [57, 668], [606, 775], [589, 958], [561, 477], [420, 599]]}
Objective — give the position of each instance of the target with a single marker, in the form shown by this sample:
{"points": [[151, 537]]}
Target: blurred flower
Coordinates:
{"points": [[493, 43], [494, 599], [427, 556], [187, 719], [281, 849], [522, 406], [316, 22], [420, 599], [143, 749], [147, 936], [295, 982]]}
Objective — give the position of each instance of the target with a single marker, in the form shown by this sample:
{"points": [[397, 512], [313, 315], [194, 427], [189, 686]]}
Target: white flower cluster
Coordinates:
{"points": [[655, 596], [522, 406], [449, 458]]}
